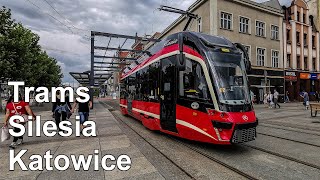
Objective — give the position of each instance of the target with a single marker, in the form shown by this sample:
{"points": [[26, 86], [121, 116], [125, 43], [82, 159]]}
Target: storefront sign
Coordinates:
{"points": [[290, 76], [304, 76], [313, 76]]}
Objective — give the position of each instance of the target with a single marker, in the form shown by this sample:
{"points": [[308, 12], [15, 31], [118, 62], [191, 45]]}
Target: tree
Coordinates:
{"points": [[21, 57]]}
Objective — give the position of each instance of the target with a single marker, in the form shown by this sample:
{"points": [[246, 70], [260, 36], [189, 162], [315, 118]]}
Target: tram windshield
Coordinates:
{"points": [[230, 78]]}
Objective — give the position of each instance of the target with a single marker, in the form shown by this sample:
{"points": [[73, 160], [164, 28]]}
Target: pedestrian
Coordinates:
{"points": [[270, 99], [83, 110], [276, 98], [265, 100], [62, 109], [317, 96], [305, 97], [252, 97], [287, 97], [17, 108]]}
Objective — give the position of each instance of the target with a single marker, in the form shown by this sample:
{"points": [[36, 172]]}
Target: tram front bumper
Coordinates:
{"points": [[244, 132]]}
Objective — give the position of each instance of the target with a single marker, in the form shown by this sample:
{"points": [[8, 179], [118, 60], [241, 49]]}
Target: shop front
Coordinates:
{"points": [[308, 82], [291, 78], [266, 80]]}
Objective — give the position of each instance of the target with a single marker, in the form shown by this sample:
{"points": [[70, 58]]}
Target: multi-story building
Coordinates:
{"points": [[314, 7], [301, 47], [258, 26]]}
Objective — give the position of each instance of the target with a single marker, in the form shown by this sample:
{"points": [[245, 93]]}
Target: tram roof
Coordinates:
{"points": [[210, 40]]}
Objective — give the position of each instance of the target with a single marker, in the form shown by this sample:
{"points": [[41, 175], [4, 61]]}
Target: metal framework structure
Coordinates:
{"points": [[102, 70]]}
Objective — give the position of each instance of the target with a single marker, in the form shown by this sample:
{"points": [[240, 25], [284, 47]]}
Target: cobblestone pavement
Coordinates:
{"points": [[110, 140]]}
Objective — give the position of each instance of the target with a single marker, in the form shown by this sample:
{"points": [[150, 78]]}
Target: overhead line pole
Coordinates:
{"points": [[92, 68]]}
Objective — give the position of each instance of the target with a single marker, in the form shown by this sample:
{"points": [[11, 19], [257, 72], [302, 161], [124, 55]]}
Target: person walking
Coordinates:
{"points": [[17, 108], [62, 108], [83, 110], [270, 99], [287, 97], [276, 98], [265, 100], [317, 96], [305, 97]]}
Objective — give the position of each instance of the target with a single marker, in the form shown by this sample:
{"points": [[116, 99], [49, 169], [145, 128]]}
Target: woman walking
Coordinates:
{"points": [[17, 108], [83, 110], [62, 109]]}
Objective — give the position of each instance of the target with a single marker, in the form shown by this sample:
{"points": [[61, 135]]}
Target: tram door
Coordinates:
{"points": [[168, 94]]}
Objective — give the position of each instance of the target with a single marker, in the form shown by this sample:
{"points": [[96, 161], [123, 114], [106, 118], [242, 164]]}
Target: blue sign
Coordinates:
{"points": [[313, 76]]}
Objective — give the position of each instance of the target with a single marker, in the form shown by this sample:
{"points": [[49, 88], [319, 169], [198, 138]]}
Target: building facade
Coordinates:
{"points": [[258, 26], [301, 47]]}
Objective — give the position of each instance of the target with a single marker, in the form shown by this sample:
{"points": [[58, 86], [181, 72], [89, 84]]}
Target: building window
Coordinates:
{"points": [[313, 42], [274, 32], [275, 58], [288, 36], [244, 25], [199, 24], [289, 61], [298, 16], [226, 21], [314, 64], [304, 18], [298, 38], [260, 56], [305, 61], [260, 28], [298, 62], [305, 43]]}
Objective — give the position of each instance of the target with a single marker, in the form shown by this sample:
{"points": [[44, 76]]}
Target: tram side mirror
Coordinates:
{"points": [[181, 60]]}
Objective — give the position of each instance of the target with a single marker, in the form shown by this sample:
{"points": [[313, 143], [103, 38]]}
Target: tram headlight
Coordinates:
{"points": [[222, 125]]}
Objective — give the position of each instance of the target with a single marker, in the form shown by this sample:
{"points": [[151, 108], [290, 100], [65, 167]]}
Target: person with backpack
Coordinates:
{"points": [[62, 109], [83, 110], [17, 108]]}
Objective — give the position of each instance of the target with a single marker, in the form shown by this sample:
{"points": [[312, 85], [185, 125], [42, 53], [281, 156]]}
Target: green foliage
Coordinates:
{"points": [[21, 57]]}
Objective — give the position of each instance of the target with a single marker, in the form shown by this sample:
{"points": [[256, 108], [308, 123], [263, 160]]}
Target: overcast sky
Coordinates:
{"points": [[70, 46]]}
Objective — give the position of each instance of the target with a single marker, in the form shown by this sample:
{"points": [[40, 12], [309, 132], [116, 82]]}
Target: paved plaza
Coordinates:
{"points": [[156, 159]]}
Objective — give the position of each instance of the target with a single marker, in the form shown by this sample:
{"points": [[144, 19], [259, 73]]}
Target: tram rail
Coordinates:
{"points": [[248, 176]]}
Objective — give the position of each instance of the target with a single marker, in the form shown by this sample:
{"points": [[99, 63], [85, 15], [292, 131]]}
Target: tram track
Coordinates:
{"points": [[283, 128], [289, 125], [144, 139], [214, 159], [245, 175], [282, 156], [287, 139], [234, 169]]}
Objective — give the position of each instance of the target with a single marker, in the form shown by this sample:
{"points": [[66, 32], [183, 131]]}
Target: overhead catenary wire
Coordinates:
{"points": [[56, 19], [50, 16], [66, 19]]}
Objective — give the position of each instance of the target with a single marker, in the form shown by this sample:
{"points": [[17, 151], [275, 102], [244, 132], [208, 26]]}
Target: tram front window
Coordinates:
{"points": [[230, 78]]}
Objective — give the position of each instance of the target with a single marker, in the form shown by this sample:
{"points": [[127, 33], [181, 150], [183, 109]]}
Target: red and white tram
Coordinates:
{"points": [[193, 86]]}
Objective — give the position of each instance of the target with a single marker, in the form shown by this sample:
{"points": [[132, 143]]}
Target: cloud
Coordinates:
{"points": [[71, 48]]}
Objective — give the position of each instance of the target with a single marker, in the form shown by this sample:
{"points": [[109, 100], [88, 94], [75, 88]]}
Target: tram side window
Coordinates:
{"points": [[131, 86], [144, 88], [123, 89], [154, 82], [138, 86], [192, 82]]}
